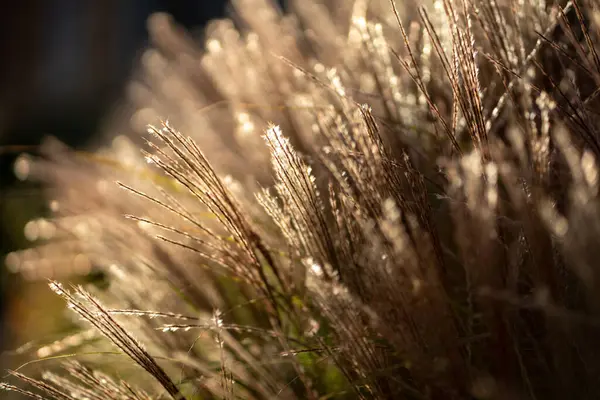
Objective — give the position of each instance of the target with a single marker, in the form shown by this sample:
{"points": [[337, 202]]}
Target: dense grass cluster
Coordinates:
{"points": [[368, 200]]}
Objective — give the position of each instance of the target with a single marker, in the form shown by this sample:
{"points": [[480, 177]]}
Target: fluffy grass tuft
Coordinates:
{"points": [[363, 199]]}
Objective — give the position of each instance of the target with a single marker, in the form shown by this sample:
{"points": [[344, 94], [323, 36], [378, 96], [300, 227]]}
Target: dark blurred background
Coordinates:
{"points": [[64, 67]]}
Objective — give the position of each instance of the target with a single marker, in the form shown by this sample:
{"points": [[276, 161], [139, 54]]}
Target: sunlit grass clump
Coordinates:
{"points": [[357, 199]]}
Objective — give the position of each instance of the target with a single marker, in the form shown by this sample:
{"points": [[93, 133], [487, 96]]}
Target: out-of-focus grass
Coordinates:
{"points": [[30, 310]]}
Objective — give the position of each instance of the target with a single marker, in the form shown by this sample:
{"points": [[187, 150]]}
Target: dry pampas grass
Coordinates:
{"points": [[357, 199]]}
